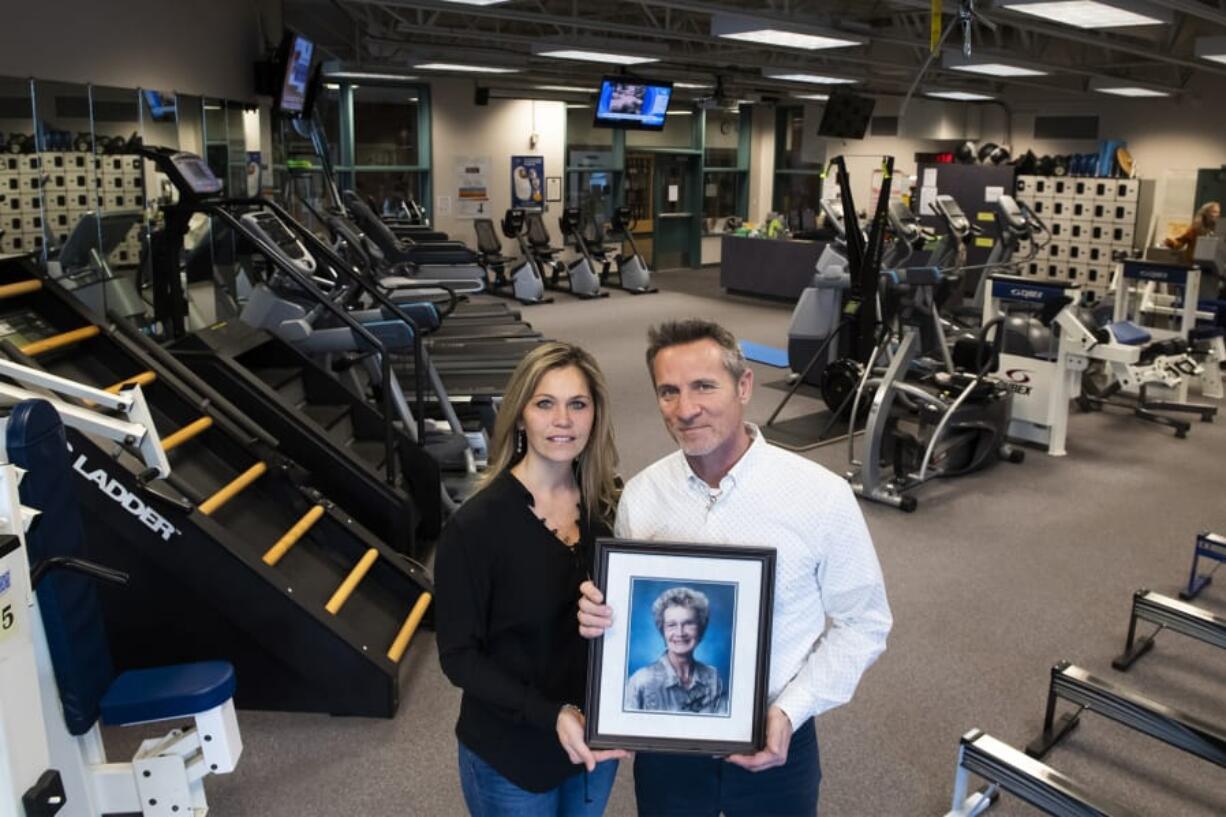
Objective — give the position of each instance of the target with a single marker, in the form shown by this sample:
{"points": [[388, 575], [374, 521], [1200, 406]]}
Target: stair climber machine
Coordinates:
{"points": [[578, 279], [232, 551], [837, 319], [524, 283], [330, 326], [632, 272], [60, 683], [929, 418]]}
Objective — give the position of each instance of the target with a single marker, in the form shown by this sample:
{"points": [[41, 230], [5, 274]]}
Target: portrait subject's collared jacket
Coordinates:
{"points": [[657, 688]]}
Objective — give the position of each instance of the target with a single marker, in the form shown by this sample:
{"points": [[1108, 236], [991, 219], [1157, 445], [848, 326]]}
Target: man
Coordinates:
{"points": [[677, 681], [728, 485]]}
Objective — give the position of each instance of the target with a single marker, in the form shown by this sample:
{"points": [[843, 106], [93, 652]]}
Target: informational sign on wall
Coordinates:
{"points": [[528, 182], [472, 186]]}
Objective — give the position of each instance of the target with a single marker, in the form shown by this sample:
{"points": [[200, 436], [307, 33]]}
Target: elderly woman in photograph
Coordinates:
{"points": [[677, 682]]}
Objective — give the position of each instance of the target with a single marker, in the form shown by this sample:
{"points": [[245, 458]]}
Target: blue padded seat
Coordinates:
{"points": [[423, 313], [1129, 333], [161, 693], [392, 334]]}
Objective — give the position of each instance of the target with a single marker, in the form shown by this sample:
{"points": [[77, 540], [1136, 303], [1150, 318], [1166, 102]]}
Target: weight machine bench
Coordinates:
{"points": [[1208, 546]]}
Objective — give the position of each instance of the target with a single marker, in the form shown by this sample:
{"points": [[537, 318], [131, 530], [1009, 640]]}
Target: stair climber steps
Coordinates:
{"points": [[200, 586]]}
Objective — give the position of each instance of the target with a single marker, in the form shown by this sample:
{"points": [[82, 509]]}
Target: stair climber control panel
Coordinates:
{"points": [[270, 228], [196, 174]]}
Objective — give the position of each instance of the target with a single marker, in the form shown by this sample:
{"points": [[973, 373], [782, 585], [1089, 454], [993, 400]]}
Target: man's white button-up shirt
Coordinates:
{"points": [[826, 566]]}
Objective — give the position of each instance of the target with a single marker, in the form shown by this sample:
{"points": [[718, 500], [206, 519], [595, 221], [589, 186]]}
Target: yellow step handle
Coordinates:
{"points": [[192, 429], [61, 340], [20, 288], [350, 583], [397, 650], [142, 379], [232, 490], [292, 535]]}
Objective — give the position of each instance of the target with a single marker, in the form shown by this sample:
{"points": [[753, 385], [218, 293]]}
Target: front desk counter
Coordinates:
{"points": [[774, 268]]}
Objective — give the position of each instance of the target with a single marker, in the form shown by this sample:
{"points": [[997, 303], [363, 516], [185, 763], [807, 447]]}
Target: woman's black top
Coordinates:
{"points": [[506, 597]]}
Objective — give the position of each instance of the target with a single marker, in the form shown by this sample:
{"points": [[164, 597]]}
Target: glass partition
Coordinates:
{"points": [[23, 219], [121, 189], [678, 132], [385, 122], [65, 152]]}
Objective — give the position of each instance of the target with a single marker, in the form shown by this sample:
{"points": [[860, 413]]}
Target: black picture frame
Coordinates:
{"points": [[758, 565]]}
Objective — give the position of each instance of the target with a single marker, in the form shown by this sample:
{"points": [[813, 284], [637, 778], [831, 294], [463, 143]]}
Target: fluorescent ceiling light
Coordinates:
{"points": [[1211, 48], [680, 113], [331, 86], [475, 2], [369, 75], [959, 96], [815, 97], [1093, 13], [570, 106], [814, 79], [955, 61], [565, 89], [1123, 87], [750, 29], [694, 86], [592, 55], [465, 67]]}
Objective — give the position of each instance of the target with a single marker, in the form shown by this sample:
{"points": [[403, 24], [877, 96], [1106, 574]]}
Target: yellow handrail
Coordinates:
{"points": [[350, 583], [397, 650], [192, 429], [292, 535], [232, 490], [142, 379], [20, 288], [61, 340]]}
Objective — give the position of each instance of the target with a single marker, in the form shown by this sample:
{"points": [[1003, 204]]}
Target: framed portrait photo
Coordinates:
{"points": [[685, 666]]}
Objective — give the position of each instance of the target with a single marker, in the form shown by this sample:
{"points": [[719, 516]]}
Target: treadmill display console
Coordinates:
{"points": [[197, 174], [270, 228]]}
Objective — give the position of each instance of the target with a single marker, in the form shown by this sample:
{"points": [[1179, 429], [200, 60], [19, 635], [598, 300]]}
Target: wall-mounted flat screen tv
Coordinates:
{"points": [[637, 104], [297, 53]]}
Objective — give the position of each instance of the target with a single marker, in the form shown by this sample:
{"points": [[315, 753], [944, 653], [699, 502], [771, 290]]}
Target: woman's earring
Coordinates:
{"points": [[521, 441]]}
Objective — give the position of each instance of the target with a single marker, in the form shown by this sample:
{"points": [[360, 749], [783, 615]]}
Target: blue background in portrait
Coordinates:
{"points": [[647, 645]]}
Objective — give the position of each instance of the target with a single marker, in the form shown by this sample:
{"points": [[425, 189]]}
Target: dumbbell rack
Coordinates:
{"points": [[1093, 222], [47, 193]]}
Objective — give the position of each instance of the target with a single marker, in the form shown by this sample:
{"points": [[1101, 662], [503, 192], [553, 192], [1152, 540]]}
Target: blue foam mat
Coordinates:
{"points": [[761, 353]]}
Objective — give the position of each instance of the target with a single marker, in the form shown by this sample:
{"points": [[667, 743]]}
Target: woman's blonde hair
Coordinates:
{"points": [[1202, 222], [597, 464]]}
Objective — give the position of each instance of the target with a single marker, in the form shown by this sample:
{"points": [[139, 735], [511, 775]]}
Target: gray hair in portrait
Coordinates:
{"points": [[695, 600]]}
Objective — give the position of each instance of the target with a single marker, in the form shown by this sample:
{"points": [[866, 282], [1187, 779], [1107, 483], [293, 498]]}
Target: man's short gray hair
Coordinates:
{"points": [[695, 600], [691, 330]]}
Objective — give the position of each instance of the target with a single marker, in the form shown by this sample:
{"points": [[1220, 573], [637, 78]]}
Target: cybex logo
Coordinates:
{"points": [[1018, 375], [127, 500], [1028, 294]]}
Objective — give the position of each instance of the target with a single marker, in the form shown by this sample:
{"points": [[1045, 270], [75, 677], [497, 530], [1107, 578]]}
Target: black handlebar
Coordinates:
{"points": [[82, 566]]}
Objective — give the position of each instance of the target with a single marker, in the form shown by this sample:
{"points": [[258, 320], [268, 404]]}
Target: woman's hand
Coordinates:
{"points": [[570, 735], [594, 615]]}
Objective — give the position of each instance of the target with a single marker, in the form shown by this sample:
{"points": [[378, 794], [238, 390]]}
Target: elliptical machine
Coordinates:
{"points": [[524, 283], [633, 274], [922, 424]]}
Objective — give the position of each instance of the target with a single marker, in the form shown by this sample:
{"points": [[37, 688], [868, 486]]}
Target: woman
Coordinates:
{"points": [[506, 577], [1203, 223], [679, 682]]}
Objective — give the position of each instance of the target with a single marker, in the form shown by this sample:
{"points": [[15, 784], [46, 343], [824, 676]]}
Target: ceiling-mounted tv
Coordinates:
{"points": [[295, 54], [639, 104]]}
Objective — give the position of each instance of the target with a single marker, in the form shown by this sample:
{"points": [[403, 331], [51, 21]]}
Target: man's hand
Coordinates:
{"points": [[570, 735], [778, 738], [594, 615]]}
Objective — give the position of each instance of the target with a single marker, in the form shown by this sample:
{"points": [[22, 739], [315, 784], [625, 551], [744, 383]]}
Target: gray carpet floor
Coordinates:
{"points": [[993, 580]]}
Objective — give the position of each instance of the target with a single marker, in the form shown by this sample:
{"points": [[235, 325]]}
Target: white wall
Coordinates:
{"points": [[197, 48], [498, 130]]}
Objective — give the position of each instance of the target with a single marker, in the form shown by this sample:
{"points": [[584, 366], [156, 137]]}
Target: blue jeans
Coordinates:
{"points": [[488, 794], [694, 785]]}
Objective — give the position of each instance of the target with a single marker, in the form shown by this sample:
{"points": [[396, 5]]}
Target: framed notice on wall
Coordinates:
{"points": [[528, 182], [472, 186], [553, 188]]}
